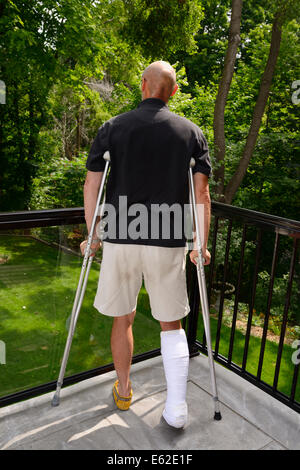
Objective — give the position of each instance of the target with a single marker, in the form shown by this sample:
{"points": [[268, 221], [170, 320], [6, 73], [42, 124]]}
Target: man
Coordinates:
{"points": [[150, 150]]}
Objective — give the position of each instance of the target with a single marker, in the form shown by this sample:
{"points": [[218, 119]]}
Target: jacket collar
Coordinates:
{"points": [[153, 102]]}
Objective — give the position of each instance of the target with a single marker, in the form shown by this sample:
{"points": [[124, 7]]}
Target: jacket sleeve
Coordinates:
{"points": [[201, 155], [95, 162]]}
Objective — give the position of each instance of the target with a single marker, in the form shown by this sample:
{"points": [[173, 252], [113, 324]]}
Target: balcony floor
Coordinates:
{"points": [[88, 419]]}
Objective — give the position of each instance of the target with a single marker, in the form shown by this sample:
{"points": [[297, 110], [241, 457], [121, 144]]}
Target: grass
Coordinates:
{"points": [[37, 287]]}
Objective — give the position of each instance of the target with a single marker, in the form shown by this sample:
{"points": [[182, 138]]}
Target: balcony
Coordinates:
{"points": [[256, 358]]}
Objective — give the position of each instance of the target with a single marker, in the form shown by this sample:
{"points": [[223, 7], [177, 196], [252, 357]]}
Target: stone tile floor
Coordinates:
{"points": [[87, 418]]}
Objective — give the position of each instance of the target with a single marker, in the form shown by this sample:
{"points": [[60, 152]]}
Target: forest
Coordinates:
{"points": [[68, 66]]}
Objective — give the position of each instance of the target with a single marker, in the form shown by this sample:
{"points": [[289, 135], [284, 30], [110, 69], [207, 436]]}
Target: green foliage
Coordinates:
{"points": [[70, 66], [272, 182], [181, 103], [59, 184], [51, 51], [160, 28], [278, 297], [205, 66]]}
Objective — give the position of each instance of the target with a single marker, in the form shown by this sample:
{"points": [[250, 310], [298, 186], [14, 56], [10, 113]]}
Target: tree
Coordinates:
{"points": [[284, 12], [260, 105], [223, 90], [42, 44]]}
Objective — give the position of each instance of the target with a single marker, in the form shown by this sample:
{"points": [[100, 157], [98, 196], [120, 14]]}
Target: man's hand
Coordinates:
{"points": [[94, 247], [205, 254]]}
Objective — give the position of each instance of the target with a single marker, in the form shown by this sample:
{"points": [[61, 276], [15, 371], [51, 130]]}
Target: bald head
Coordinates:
{"points": [[159, 81]]}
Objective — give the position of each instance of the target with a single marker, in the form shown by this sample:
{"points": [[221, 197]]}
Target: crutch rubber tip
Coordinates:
{"points": [[217, 416], [55, 400]]}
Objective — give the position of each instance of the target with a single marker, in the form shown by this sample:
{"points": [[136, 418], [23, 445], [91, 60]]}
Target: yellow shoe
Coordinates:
{"points": [[123, 403]]}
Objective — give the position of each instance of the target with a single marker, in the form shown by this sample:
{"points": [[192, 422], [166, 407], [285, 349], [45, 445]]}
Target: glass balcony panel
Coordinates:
{"points": [[39, 274]]}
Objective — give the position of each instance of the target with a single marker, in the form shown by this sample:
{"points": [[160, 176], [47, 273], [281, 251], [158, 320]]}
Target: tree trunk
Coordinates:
{"points": [[17, 125], [224, 86], [29, 169], [259, 110], [78, 133], [67, 150], [32, 131]]}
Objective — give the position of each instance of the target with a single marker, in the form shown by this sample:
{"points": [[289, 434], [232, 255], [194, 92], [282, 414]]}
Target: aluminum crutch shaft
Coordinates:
{"points": [[80, 291], [203, 293]]}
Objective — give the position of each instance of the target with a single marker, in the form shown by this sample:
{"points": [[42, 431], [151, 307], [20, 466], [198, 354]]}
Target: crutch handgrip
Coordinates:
{"points": [[192, 162], [197, 259], [106, 156]]}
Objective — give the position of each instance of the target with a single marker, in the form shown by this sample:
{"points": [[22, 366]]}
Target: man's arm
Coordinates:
{"points": [[90, 192], [202, 196]]}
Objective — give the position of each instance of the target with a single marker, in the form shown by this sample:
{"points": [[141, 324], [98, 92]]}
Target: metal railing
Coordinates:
{"points": [[260, 225], [226, 219]]}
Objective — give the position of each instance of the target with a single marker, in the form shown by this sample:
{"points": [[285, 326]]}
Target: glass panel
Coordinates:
{"points": [[39, 272]]}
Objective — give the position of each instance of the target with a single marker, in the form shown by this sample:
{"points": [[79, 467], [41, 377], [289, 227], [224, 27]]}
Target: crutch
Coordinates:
{"points": [[203, 292], [86, 266]]}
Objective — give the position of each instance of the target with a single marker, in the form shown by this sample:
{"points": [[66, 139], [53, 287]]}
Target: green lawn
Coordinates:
{"points": [[37, 287]]}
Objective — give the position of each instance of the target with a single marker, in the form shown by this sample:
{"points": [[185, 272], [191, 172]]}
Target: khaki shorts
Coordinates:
{"points": [[121, 274]]}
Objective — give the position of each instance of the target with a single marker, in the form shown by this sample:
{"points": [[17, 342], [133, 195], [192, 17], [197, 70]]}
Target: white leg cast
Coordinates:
{"points": [[175, 354]]}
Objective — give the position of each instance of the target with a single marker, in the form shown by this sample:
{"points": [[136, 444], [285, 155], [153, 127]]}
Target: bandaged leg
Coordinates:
{"points": [[175, 354]]}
